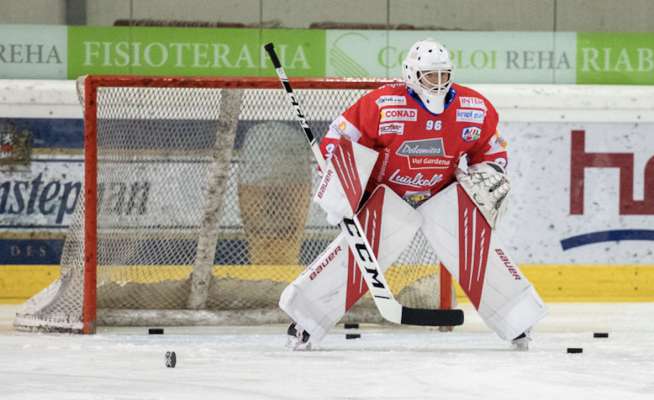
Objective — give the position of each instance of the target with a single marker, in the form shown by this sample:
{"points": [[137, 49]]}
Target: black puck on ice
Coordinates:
{"points": [[171, 359], [352, 336], [155, 331], [600, 334], [351, 326], [575, 350]]}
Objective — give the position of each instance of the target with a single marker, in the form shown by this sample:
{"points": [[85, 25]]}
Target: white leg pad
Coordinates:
{"points": [[320, 296], [316, 298], [459, 234]]}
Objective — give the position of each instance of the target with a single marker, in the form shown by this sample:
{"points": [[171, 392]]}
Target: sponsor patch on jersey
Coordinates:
{"points": [[497, 144], [471, 133], [418, 180], [342, 127], [472, 102], [429, 162], [391, 128], [384, 101], [399, 114], [500, 140], [474, 116], [425, 154], [425, 147]]}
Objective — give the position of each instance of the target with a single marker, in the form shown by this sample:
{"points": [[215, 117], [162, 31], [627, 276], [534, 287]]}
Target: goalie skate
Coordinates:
{"points": [[297, 338], [521, 343]]}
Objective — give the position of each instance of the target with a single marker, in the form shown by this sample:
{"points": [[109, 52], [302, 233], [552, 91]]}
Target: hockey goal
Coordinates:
{"points": [[196, 207]]}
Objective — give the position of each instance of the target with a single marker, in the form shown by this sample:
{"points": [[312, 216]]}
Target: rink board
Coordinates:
{"points": [[556, 283]]}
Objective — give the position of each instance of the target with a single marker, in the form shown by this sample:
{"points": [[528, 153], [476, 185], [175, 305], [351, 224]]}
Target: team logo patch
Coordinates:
{"points": [[383, 101], [391, 128], [399, 114], [474, 116], [416, 198], [471, 133], [472, 102]]}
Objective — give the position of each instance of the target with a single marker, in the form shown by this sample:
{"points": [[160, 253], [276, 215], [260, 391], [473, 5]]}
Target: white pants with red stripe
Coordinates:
{"points": [[332, 284]]}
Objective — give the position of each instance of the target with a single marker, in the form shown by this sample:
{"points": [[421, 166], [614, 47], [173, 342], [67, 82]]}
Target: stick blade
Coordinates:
{"points": [[422, 317]]}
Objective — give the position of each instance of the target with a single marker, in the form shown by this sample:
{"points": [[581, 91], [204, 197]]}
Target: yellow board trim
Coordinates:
{"points": [[592, 282], [555, 283]]}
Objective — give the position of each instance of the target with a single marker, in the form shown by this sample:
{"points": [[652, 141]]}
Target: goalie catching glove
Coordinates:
{"points": [[487, 186], [344, 180]]}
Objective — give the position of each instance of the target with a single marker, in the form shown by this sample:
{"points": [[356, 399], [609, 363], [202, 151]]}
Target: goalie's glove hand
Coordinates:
{"points": [[488, 187]]}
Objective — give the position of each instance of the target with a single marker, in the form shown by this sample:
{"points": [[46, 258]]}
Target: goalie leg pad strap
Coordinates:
{"points": [[320, 296], [476, 258]]}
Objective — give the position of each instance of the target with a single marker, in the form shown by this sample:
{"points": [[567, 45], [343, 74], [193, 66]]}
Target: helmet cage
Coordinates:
{"points": [[435, 82]]}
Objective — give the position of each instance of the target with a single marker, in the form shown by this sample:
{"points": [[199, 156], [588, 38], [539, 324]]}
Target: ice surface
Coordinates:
{"points": [[386, 363]]}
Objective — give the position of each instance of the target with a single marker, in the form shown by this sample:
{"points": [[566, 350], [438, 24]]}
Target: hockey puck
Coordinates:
{"points": [[171, 359], [351, 326], [575, 350], [155, 331], [352, 336], [600, 334]]}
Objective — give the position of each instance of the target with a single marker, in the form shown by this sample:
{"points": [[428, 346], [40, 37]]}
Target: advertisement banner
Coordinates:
{"points": [[42, 196], [192, 51], [584, 190], [33, 51], [60, 52], [621, 58], [489, 57]]}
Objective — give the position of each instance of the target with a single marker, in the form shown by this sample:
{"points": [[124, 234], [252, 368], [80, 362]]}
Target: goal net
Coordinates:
{"points": [[197, 207]]}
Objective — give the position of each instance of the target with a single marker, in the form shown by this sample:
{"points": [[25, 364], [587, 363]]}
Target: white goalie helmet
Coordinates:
{"points": [[427, 69]]}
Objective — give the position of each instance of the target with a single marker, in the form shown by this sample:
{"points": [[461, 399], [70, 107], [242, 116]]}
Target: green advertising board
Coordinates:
{"points": [[60, 52], [619, 58], [192, 51]]}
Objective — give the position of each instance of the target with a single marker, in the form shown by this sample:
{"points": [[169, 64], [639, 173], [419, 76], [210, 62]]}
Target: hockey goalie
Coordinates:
{"points": [[425, 155]]}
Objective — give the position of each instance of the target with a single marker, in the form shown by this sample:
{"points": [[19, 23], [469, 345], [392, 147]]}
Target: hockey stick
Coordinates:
{"points": [[388, 307]]}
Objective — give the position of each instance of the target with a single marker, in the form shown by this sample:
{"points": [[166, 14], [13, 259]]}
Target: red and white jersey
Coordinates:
{"points": [[419, 151]]}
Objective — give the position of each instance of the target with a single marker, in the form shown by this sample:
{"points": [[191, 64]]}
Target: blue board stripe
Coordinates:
{"points": [[615, 235]]}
